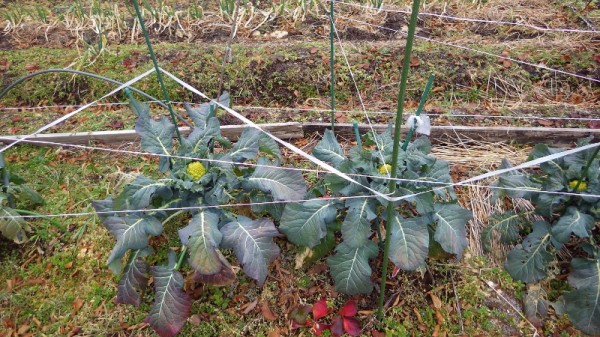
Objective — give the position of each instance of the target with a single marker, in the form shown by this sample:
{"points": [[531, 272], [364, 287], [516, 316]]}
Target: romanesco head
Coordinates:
{"points": [[196, 170], [385, 169], [582, 185]]}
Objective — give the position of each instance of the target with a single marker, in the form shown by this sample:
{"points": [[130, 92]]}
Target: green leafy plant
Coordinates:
{"points": [[427, 220], [202, 173], [13, 191], [565, 220]]}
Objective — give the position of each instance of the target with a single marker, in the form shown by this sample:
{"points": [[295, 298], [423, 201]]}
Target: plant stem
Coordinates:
{"points": [[50, 220], [158, 73], [332, 64], [181, 256], [171, 217], [392, 187], [419, 110], [585, 170], [357, 134]]}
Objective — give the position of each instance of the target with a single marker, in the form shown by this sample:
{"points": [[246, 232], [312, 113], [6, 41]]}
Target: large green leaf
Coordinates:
{"points": [[12, 225], [350, 268], [201, 114], [252, 242], [198, 140], [131, 232], [528, 262], [545, 204], [202, 237], [356, 228], [172, 305], [281, 183], [572, 221], [247, 145], [583, 304], [269, 146], [507, 225], [450, 231], [305, 224], [156, 136], [26, 193], [134, 279], [329, 150], [514, 184], [138, 194], [409, 243]]}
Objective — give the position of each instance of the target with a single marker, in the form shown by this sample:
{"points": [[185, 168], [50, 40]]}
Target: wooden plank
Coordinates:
{"points": [[449, 134], [457, 134], [290, 130]]}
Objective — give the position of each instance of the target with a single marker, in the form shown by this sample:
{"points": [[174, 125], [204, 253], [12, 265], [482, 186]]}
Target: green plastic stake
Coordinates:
{"points": [[332, 64], [419, 110], [158, 73], [357, 134], [398, 124]]}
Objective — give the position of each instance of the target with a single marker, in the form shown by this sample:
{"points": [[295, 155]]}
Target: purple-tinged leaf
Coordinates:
{"points": [[134, 278], [202, 237], [300, 314], [172, 305], [131, 232], [337, 326], [252, 242], [351, 326]]}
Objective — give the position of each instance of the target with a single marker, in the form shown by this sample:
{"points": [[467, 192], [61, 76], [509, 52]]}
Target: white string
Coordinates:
{"points": [[67, 116], [307, 170], [458, 18], [381, 112], [147, 210], [286, 144], [362, 104], [539, 66]]}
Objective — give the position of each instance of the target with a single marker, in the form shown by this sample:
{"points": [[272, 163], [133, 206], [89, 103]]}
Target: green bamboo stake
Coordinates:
{"points": [[419, 110], [332, 64], [158, 73], [398, 124]]}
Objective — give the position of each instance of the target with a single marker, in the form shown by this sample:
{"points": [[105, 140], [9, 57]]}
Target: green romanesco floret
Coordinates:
{"points": [[196, 170], [582, 185], [385, 169]]}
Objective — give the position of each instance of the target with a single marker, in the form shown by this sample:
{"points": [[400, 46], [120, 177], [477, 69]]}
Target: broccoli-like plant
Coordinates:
{"points": [[13, 190], [565, 219], [426, 220], [200, 180]]}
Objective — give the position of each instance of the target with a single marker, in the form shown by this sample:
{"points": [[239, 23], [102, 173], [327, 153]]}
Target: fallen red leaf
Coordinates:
{"points": [[32, 67], [320, 309], [337, 326], [349, 309], [352, 326]]}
